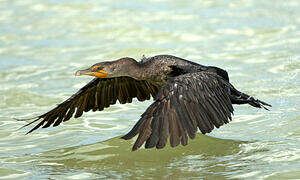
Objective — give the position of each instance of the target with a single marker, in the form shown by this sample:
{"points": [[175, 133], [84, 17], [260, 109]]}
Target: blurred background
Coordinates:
{"points": [[43, 43]]}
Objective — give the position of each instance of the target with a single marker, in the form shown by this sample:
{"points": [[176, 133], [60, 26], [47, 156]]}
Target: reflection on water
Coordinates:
{"points": [[43, 43], [113, 158]]}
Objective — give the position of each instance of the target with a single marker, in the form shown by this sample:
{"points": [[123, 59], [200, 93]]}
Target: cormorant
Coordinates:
{"points": [[186, 96]]}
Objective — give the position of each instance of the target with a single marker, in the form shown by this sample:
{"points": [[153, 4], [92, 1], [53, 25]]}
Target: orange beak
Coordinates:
{"points": [[99, 74]]}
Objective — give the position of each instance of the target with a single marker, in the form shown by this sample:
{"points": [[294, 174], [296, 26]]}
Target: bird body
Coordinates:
{"points": [[159, 68], [187, 97]]}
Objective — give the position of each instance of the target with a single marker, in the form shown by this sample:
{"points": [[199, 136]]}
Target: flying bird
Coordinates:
{"points": [[186, 95]]}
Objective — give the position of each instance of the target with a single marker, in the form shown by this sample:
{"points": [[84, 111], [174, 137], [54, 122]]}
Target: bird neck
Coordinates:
{"points": [[137, 72]]}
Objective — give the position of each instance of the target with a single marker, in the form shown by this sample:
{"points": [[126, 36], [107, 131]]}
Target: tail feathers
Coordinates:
{"points": [[242, 98]]}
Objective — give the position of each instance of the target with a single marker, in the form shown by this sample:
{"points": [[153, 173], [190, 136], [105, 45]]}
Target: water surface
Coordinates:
{"points": [[43, 43]]}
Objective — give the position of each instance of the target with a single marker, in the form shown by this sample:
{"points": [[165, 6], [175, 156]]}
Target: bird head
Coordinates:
{"points": [[108, 69]]}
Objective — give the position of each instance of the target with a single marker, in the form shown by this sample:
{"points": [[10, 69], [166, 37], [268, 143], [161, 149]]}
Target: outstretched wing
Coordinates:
{"points": [[97, 95], [186, 102]]}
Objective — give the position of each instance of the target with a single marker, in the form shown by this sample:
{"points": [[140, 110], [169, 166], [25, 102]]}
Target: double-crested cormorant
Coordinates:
{"points": [[186, 96]]}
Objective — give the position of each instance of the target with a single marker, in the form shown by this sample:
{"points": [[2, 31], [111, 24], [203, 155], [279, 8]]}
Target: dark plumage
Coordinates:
{"points": [[187, 96]]}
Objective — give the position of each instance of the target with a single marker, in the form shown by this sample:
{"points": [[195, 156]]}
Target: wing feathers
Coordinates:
{"points": [[155, 126], [185, 103], [97, 95], [70, 112], [173, 129], [143, 134]]}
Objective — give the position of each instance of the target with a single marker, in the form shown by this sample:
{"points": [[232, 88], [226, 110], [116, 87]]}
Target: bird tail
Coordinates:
{"points": [[242, 98]]}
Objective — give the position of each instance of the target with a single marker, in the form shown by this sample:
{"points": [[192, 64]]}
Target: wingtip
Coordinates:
{"points": [[29, 132], [21, 127], [264, 103], [124, 137], [35, 119], [265, 108]]}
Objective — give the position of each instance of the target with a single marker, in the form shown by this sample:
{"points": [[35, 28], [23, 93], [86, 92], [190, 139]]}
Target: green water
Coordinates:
{"points": [[42, 44]]}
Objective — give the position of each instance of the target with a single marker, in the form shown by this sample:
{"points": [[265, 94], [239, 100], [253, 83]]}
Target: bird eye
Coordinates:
{"points": [[100, 68]]}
